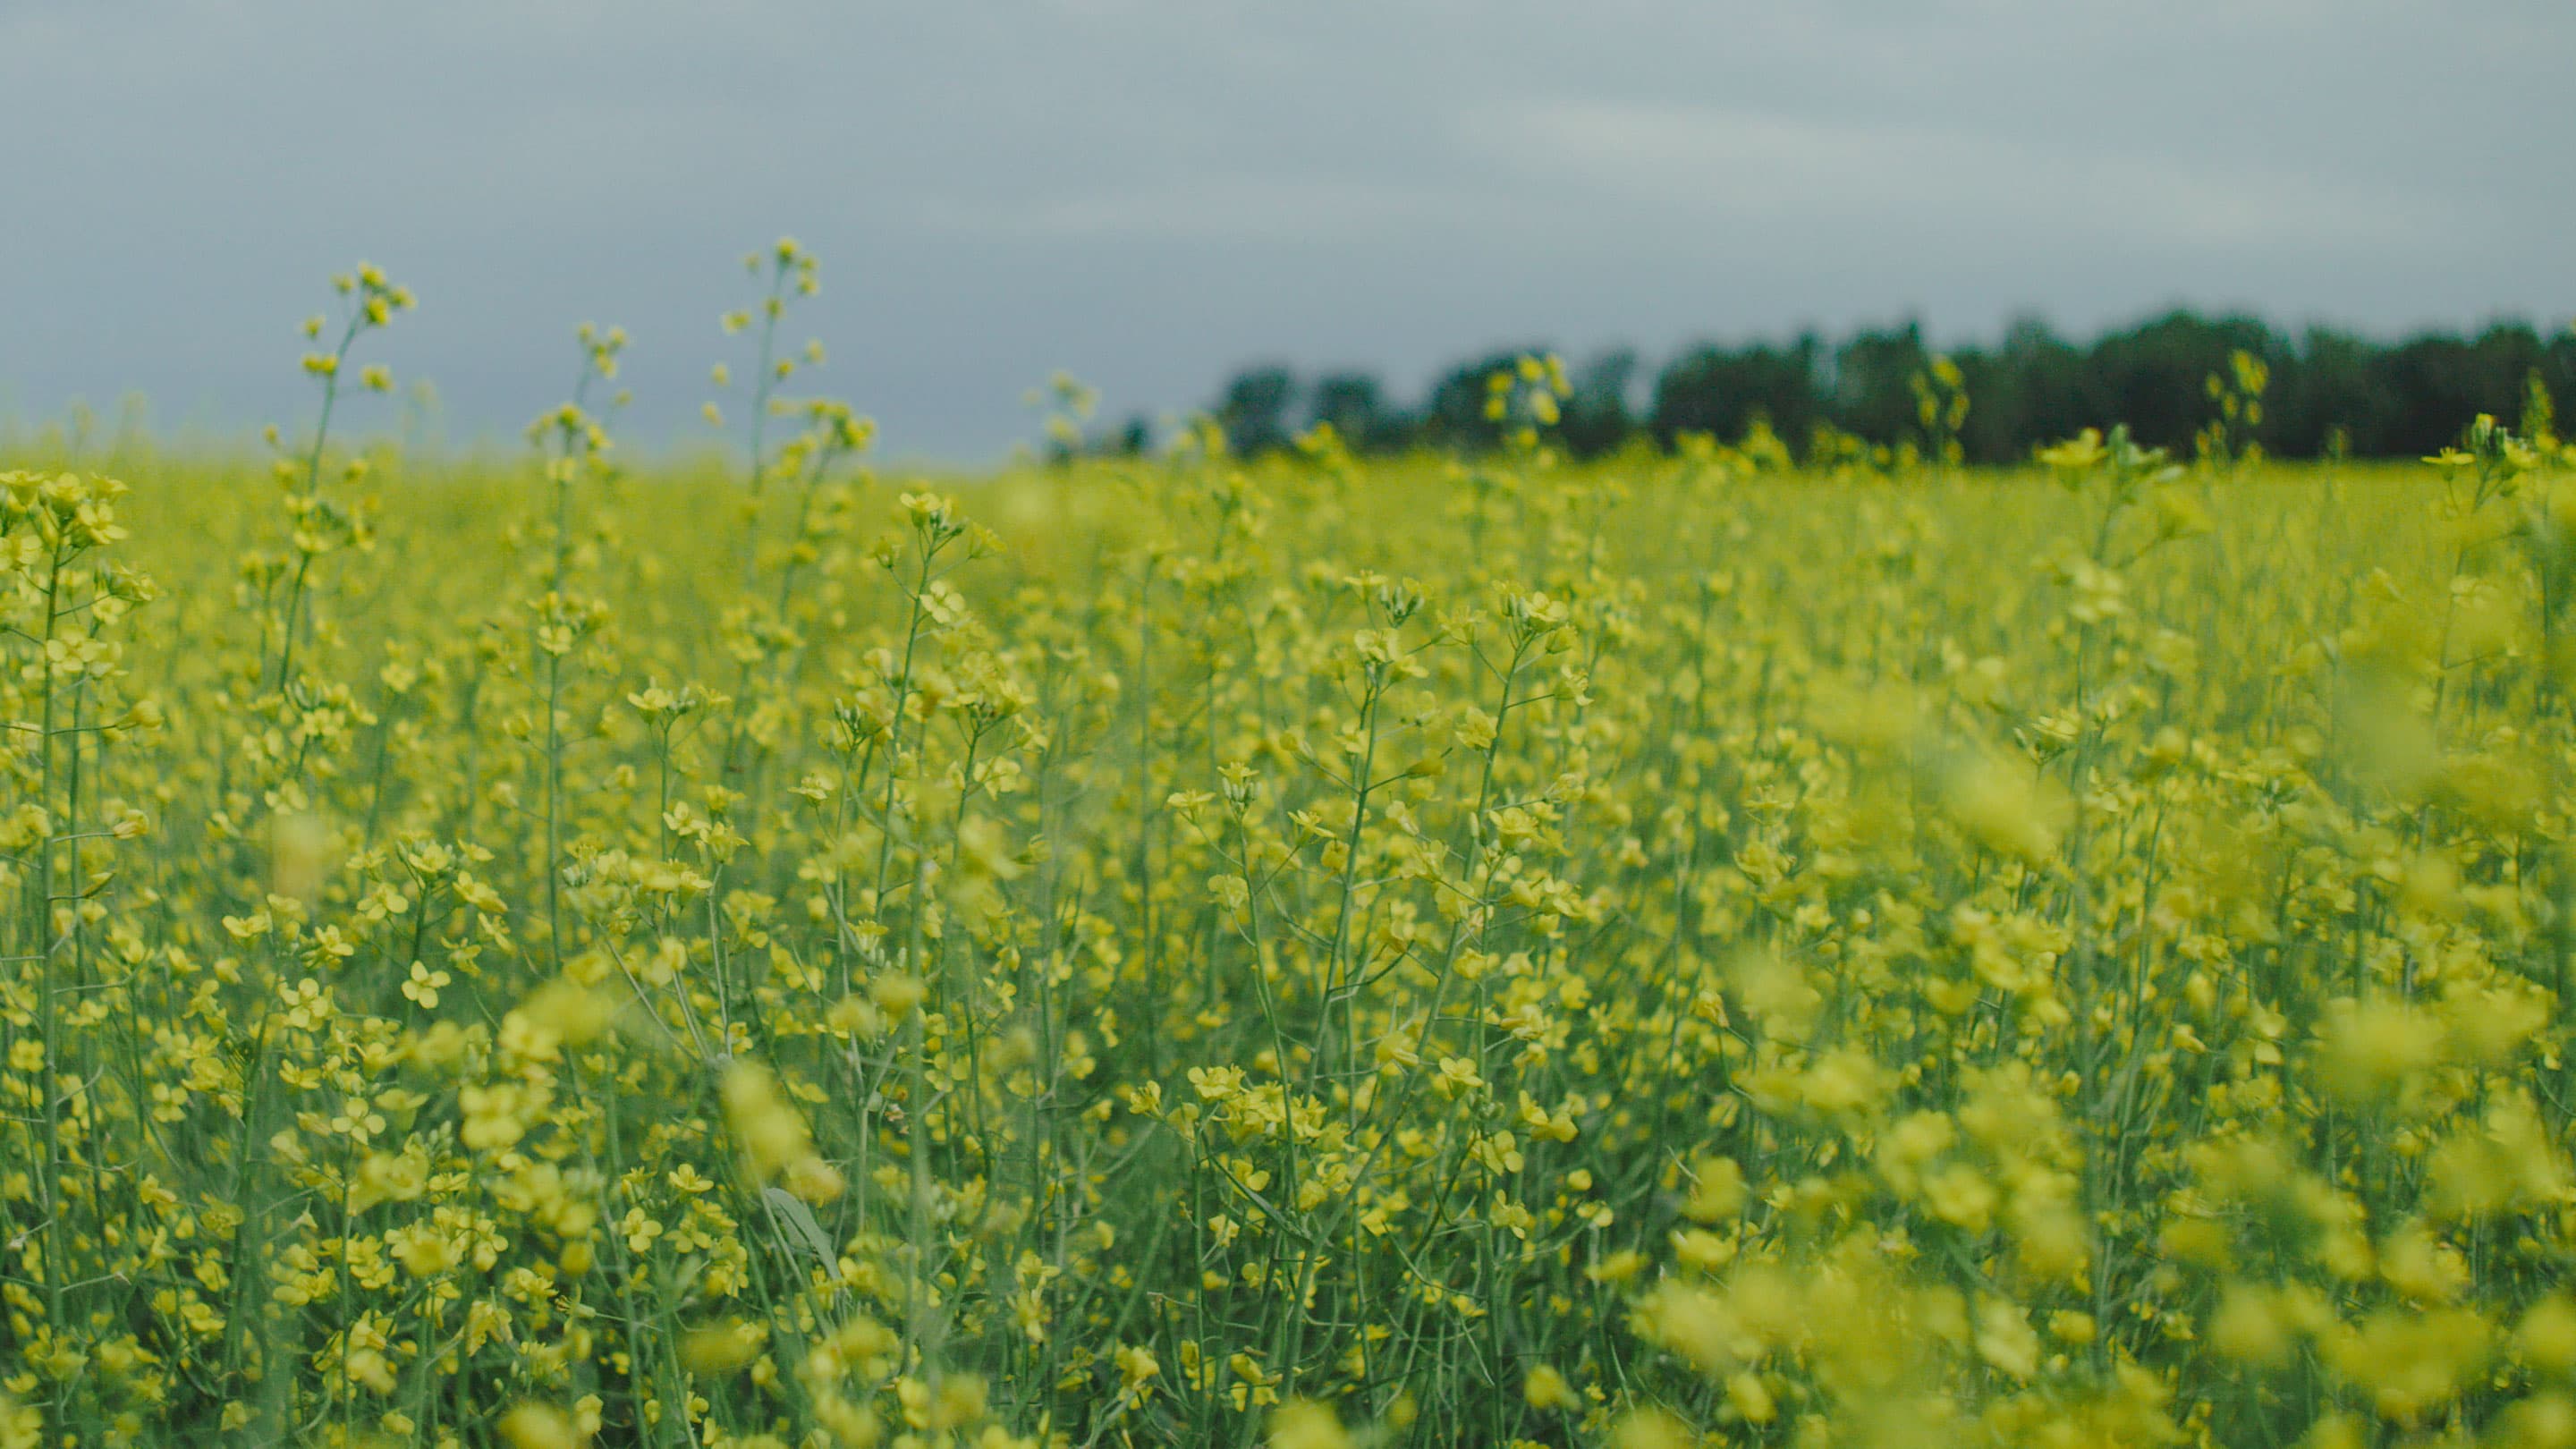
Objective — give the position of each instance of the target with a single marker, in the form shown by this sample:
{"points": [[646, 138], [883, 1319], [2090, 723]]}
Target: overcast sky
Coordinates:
{"points": [[1151, 192]]}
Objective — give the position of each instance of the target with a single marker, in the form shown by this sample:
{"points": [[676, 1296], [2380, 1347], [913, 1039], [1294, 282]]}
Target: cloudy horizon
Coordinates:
{"points": [[1153, 194]]}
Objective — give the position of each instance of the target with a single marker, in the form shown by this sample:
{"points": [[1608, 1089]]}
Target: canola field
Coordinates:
{"points": [[1692, 950]]}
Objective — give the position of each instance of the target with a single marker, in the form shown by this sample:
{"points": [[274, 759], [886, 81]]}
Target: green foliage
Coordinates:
{"points": [[2380, 400]]}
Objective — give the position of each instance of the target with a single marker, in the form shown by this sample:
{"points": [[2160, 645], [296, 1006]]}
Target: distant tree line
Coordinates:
{"points": [[2169, 378]]}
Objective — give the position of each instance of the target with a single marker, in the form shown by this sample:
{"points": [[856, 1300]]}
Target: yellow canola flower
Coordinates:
{"points": [[721, 1348], [1544, 1388], [1305, 1424], [538, 1426], [2004, 807]]}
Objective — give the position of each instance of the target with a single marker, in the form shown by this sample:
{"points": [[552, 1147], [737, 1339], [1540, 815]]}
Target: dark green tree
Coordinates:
{"points": [[1717, 391], [1597, 420], [1255, 410], [1356, 407]]}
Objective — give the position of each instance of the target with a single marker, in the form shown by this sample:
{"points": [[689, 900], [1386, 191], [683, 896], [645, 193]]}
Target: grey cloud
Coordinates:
{"points": [[1149, 192]]}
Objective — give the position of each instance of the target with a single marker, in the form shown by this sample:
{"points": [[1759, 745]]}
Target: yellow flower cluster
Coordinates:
{"points": [[1176, 951]]}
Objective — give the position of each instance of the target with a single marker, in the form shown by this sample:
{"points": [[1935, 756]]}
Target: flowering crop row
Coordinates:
{"points": [[1667, 952]]}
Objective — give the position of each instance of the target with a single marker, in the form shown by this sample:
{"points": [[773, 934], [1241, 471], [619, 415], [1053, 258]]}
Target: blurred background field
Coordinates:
{"points": [[1305, 949]]}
